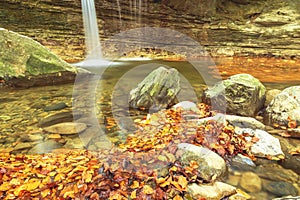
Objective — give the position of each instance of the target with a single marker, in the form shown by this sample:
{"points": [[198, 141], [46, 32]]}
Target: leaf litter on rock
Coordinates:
{"points": [[130, 170]]}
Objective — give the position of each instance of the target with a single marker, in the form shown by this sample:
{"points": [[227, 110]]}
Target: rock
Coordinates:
{"points": [[57, 106], [289, 197], [241, 94], [45, 147], [211, 165], [270, 95], [187, 106], [285, 105], [74, 143], [290, 161], [58, 118], [275, 172], [30, 137], [22, 146], [215, 191], [66, 128], [54, 136], [103, 145], [240, 195], [277, 17], [233, 179], [157, 91], [250, 182], [244, 122], [21, 56], [266, 146], [242, 163], [281, 188]]}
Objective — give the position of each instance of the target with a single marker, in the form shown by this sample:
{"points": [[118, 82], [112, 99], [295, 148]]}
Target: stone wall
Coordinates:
{"points": [[222, 27]]}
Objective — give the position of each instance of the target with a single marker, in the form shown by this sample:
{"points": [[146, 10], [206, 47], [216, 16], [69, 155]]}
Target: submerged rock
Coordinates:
{"points": [[280, 188], [285, 106], [250, 182], [241, 94], [215, 191], [58, 118], [25, 59], [211, 165], [66, 128], [45, 147], [157, 91], [57, 106]]}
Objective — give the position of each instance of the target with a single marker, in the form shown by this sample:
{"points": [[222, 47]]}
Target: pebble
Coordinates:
{"points": [[45, 147], [66, 128], [215, 191], [280, 188], [57, 106], [22, 146], [250, 182], [54, 136]]}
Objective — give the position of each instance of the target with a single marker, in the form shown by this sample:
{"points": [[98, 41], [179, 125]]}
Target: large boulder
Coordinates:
{"points": [[241, 94], [23, 58], [211, 166], [284, 107], [157, 91]]}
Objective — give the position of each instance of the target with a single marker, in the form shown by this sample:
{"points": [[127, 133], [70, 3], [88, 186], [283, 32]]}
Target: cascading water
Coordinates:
{"points": [[94, 55]]}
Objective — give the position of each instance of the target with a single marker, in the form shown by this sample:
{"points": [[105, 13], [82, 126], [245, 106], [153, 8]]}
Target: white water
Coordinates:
{"points": [[94, 58]]}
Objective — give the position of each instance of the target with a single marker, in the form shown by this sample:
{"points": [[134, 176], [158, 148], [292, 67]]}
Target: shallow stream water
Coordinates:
{"points": [[23, 109]]}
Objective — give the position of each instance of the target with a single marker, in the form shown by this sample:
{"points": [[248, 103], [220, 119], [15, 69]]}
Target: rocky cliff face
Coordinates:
{"points": [[222, 27]]}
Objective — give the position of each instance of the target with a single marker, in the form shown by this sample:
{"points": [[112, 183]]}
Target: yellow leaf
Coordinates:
{"points": [[133, 194], [5, 186], [33, 184], [45, 193], [59, 177], [135, 185], [147, 189], [177, 197], [182, 181]]}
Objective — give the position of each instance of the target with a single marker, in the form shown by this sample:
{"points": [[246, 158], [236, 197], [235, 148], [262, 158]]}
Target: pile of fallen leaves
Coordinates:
{"points": [[175, 126], [144, 167]]}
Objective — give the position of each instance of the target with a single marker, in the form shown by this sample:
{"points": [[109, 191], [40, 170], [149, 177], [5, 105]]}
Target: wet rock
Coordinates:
{"points": [[233, 179], [211, 165], [66, 128], [242, 163], [45, 147], [157, 91], [74, 143], [22, 146], [215, 191], [250, 182], [240, 195], [266, 146], [290, 161], [57, 106], [270, 95], [289, 197], [275, 172], [285, 105], [58, 118], [54, 136], [241, 94], [244, 122], [30, 137], [281, 188]]}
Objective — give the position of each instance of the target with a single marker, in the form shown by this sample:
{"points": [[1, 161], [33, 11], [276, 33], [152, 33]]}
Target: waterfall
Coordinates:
{"points": [[92, 39]]}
